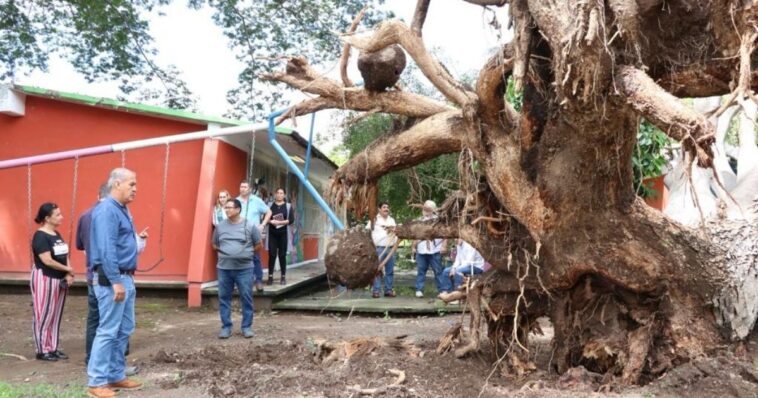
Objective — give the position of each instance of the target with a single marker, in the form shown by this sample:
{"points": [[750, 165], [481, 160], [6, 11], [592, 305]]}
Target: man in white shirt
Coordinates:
{"points": [[428, 253], [383, 235], [468, 261]]}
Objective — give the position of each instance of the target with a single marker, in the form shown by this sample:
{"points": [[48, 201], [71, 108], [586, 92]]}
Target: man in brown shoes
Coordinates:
{"points": [[109, 390]]}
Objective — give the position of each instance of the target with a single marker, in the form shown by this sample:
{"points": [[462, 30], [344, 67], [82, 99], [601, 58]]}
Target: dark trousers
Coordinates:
{"points": [[93, 319], [277, 247]]}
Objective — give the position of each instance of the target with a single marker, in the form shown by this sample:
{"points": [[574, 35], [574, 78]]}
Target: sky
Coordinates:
{"points": [[190, 40]]}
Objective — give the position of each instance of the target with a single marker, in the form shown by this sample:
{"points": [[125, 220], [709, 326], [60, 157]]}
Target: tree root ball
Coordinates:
{"points": [[381, 69], [351, 258]]}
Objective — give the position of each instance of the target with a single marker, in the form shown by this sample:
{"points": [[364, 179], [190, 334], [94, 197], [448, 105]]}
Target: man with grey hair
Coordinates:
{"points": [[113, 253], [82, 243]]}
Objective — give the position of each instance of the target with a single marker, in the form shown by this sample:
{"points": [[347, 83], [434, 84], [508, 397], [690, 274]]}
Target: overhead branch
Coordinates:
{"points": [[306, 107], [346, 49], [419, 16], [301, 76], [666, 112], [491, 86], [434, 136], [395, 32]]}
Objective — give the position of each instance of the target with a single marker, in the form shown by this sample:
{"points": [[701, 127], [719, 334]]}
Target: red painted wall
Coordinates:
{"points": [[51, 126]]}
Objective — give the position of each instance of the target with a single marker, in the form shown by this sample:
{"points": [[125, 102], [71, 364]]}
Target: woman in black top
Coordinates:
{"points": [[277, 236], [51, 277]]}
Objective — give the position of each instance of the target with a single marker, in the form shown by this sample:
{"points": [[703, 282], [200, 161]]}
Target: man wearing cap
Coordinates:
{"points": [[428, 253]]}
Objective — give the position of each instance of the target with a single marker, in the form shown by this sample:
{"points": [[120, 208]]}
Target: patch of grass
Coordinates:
{"points": [[40, 390], [151, 308], [648, 395], [143, 324]]}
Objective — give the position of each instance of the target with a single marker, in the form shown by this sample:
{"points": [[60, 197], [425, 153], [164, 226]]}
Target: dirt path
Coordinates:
{"points": [[180, 356]]}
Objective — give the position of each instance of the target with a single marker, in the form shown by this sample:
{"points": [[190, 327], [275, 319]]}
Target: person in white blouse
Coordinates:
{"points": [[468, 261], [428, 253], [383, 235]]}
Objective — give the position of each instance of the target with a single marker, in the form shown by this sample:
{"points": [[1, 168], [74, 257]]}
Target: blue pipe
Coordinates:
{"points": [[296, 171], [310, 143]]}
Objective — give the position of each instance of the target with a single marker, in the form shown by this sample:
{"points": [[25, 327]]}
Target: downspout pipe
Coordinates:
{"points": [[296, 171]]}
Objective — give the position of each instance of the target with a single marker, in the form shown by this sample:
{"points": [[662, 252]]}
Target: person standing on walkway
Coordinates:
{"points": [[235, 239], [383, 235], [50, 279], [253, 208], [113, 247], [278, 236], [218, 210], [428, 253]]}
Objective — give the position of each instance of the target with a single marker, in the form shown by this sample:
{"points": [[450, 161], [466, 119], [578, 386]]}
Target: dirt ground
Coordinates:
{"points": [[179, 356]]}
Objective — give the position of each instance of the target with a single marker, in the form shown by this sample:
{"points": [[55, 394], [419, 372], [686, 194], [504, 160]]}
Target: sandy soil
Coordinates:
{"points": [[179, 356]]}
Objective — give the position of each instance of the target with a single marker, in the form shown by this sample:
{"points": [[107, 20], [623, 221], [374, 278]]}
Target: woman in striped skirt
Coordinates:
{"points": [[51, 277]]}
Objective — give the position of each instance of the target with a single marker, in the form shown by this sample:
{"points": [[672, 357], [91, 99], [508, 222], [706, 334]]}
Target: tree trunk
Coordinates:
{"points": [[546, 193]]}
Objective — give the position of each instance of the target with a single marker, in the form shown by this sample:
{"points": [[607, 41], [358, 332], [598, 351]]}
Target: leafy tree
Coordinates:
{"points": [[110, 40]]}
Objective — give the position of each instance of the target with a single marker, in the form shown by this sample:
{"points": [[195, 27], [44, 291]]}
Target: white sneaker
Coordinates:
{"points": [[419, 293]]}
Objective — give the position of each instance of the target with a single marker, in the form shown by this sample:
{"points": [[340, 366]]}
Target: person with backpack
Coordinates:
{"points": [[278, 236]]}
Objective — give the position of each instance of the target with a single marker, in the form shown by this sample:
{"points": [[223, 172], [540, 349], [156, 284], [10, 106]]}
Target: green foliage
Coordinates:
{"points": [[40, 390], [111, 40], [513, 97], [436, 177], [648, 158]]}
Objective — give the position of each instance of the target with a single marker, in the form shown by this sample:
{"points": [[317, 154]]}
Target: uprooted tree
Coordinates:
{"points": [[546, 192]]}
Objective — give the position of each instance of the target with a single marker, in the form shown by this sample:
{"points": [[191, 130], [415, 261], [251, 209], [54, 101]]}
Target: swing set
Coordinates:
{"points": [[167, 141]]}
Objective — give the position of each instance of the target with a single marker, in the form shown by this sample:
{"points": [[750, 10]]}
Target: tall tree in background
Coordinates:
{"points": [[547, 192], [110, 40]]}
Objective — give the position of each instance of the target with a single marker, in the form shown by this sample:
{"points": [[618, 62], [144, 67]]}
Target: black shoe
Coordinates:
{"points": [[270, 280], [60, 354], [48, 356], [283, 281]]}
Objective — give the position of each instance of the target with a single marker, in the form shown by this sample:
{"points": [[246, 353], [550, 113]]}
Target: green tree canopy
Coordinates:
{"points": [[110, 40]]}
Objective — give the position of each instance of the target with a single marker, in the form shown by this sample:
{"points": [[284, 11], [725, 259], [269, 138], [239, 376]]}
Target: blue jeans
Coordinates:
{"points": [[257, 267], [389, 270], [243, 279], [457, 278], [107, 361], [423, 261]]}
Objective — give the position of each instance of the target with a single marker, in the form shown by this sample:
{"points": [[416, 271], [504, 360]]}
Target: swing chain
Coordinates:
{"points": [[123, 159], [73, 200], [163, 212]]}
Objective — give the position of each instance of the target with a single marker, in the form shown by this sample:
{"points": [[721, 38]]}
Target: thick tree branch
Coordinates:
{"points": [[668, 113], [484, 3], [301, 76], [419, 16], [395, 32], [434, 136]]}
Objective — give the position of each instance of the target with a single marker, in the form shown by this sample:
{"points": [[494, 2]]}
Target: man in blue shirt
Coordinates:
{"points": [[253, 208], [82, 243], [113, 253]]}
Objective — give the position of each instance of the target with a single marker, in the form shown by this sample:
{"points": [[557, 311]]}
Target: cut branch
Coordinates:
{"points": [[346, 49], [668, 113], [301, 76], [395, 32], [419, 16]]}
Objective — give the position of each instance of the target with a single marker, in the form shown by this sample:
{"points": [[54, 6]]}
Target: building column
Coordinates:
{"points": [[200, 264]]}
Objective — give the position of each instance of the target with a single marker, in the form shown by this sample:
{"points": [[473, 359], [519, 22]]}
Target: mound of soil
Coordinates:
{"points": [[351, 258]]}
